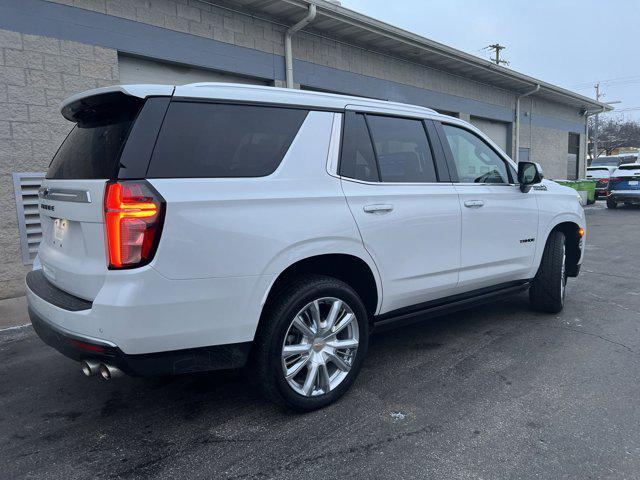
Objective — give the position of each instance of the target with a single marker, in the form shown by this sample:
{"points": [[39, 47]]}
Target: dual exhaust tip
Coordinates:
{"points": [[92, 367]]}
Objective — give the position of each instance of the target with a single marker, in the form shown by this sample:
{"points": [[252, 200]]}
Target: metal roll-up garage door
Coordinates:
{"points": [[138, 70], [496, 131]]}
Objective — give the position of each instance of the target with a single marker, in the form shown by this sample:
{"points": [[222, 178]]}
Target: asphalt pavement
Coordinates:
{"points": [[498, 392]]}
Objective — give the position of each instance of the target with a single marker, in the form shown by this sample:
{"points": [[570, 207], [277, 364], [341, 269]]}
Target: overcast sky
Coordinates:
{"points": [[570, 43]]}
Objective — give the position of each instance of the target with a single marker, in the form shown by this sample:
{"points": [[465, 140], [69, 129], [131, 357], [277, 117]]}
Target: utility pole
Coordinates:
{"points": [[497, 48], [595, 123]]}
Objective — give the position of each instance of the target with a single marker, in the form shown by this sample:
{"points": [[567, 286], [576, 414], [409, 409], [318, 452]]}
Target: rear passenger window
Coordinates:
{"points": [[358, 159], [217, 140], [403, 150]]}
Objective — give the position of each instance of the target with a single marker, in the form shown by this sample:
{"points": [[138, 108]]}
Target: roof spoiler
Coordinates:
{"points": [[74, 107]]}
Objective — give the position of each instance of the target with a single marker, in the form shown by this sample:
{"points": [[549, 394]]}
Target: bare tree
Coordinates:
{"points": [[614, 133]]}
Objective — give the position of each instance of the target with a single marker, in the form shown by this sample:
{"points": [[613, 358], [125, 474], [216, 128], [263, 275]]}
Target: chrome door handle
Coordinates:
{"points": [[473, 203], [378, 208]]}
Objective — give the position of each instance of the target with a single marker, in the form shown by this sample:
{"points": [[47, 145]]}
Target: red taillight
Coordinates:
{"points": [[133, 213]]}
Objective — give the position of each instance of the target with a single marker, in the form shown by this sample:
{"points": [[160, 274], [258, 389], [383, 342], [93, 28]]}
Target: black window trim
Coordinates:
{"points": [[451, 163], [256, 103], [443, 178], [375, 149]]}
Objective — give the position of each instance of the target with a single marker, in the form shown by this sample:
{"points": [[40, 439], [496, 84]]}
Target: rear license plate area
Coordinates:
{"points": [[60, 228]]}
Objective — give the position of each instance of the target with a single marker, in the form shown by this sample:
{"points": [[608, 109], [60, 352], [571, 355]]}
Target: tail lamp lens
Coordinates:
{"points": [[133, 219]]}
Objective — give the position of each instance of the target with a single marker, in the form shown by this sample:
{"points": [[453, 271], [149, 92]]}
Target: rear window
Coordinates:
{"points": [[606, 162], [629, 167], [628, 159], [219, 140], [92, 149]]}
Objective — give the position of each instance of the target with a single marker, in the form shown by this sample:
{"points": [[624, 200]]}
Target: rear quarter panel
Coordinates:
{"points": [[237, 227]]}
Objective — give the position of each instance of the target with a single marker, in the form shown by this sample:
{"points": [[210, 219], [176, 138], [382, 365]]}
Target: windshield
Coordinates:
{"points": [[606, 162]]}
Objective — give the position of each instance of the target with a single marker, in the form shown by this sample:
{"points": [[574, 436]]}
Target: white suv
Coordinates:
{"points": [[204, 226]]}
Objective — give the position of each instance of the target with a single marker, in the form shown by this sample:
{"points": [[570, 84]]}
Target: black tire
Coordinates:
{"points": [[611, 203], [279, 314], [547, 291]]}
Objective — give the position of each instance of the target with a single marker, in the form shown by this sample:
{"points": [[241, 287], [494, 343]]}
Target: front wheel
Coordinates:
{"points": [[548, 288], [611, 203], [313, 340]]}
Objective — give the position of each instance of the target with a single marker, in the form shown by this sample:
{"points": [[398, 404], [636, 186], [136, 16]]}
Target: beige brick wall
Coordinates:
{"points": [[550, 149], [36, 74], [194, 17], [202, 19]]}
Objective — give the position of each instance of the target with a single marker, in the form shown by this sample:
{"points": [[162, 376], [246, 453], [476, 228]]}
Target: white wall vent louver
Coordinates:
{"points": [[26, 187]]}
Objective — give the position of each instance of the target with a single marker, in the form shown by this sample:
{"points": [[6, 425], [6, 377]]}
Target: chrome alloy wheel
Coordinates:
{"points": [[320, 346]]}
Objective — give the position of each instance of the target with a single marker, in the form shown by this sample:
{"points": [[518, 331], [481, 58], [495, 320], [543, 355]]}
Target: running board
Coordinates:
{"points": [[445, 306]]}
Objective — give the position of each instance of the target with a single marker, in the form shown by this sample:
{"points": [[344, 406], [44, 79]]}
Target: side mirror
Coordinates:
{"points": [[529, 173]]}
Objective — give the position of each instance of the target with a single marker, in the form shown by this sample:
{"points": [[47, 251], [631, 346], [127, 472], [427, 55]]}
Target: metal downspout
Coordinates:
{"points": [[517, 133], [288, 51]]}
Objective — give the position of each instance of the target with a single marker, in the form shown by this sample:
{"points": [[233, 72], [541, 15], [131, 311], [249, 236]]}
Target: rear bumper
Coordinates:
{"points": [[79, 348], [625, 196], [58, 320]]}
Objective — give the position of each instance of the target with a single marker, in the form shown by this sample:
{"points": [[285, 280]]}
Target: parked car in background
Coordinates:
{"points": [[614, 161], [624, 186], [200, 227], [601, 176]]}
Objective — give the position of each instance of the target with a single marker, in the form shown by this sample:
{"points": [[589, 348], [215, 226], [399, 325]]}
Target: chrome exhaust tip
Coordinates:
{"points": [[109, 371], [89, 367]]}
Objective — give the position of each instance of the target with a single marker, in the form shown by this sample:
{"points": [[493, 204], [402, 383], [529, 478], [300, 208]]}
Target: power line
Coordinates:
{"points": [[630, 109], [611, 81]]}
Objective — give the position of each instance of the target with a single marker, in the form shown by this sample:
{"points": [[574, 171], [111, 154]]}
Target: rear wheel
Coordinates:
{"points": [[548, 289], [611, 203], [312, 343]]}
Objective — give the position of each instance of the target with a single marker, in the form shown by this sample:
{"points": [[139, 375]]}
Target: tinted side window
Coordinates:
{"points": [[216, 140], [357, 159], [403, 150], [475, 161]]}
